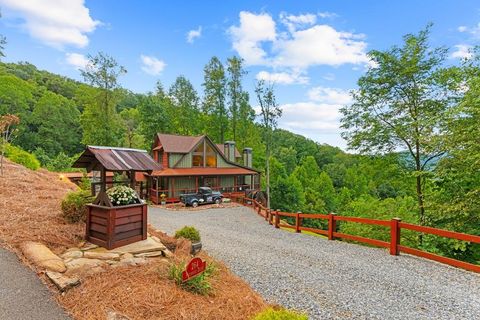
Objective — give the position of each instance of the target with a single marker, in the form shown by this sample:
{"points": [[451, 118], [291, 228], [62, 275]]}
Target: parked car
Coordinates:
{"points": [[204, 195]]}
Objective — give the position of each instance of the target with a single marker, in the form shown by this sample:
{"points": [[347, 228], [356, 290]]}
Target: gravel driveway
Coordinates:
{"points": [[22, 295], [328, 279]]}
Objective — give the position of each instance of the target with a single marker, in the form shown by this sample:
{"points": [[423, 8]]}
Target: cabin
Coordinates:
{"points": [[191, 162]]}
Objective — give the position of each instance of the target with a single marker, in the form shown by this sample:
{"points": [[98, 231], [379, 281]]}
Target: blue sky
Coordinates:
{"points": [[314, 51]]}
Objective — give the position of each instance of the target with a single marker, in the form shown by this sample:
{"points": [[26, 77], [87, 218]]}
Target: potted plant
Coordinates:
{"points": [[122, 195], [163, 199]]}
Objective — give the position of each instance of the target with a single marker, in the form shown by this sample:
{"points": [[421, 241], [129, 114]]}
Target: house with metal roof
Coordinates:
{"points": [[190, 162]]}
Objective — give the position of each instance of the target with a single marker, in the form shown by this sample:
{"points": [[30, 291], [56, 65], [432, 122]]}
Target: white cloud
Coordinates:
{"points": [[327, 14], [193, 34], [282, 77], [79, 61], [329, 77], [462, 29], [247, 37], [319, 117], [333, 96], [293, 22], [320, 45], [302, 45], [54, 22], [152, 65], [462, 51]]}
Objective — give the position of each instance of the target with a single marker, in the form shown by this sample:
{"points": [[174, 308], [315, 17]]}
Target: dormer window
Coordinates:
{"points": [[198, 155], [204, 156]]}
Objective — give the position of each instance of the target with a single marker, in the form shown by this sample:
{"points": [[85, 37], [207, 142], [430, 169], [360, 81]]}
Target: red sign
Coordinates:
{"points": [[194, 268]]}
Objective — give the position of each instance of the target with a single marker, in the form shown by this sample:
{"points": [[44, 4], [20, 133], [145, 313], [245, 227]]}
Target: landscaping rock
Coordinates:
{"points": [[127, 256], [88, 246], [136, 261], [150, 254], [147, 245], [83, 266], [101, 255], [72, 254], [62, 282], [42, 257], [167, 253]]}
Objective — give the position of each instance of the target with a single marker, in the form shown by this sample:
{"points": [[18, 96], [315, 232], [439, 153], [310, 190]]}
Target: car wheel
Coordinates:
{"points": [[195, 204], [218, 201]]}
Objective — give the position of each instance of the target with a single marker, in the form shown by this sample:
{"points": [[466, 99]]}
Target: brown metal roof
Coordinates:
{"points": [[177, 144], [221, 147], [168, 172], [116, 159]]}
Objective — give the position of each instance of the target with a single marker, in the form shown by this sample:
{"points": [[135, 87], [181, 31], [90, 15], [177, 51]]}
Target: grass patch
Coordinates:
{"points": [[281, 314]]}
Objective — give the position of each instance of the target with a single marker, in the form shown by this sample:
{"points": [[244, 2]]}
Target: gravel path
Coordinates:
{"points": [[328, 279], [22, 295]]}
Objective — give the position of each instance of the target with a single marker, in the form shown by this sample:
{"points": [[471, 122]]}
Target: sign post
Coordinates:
{"points": [[194, 268]]}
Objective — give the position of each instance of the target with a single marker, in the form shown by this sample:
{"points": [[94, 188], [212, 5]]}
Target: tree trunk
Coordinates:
{"points": [[267, 172]]}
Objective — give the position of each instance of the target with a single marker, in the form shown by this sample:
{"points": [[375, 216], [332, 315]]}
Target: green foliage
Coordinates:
{"points": [[74, 207], [369, 207], [199, 285], [282, 314], [20, 156], [216, 122], [189, 233], [287, 195]]}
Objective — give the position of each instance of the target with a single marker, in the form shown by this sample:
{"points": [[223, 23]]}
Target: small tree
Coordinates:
{"points": [[270, 112], [3, 42], [7, 130]]}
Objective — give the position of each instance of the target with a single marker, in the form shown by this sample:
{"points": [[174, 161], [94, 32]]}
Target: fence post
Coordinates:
{"points": [[277, 220], [332, 226], [394, 236], [297, 222], [270, 216], [266, 214]]}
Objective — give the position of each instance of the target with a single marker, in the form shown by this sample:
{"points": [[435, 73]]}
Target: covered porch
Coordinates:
{"points": [[229, 181]]}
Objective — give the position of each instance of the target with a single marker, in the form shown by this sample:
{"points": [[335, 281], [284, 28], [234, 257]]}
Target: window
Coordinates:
{"points": [[204, 156], [211, 157], [197, 156]]}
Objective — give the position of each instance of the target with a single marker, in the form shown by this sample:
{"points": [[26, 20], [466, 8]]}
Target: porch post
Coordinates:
{"points": [[196, 183]]}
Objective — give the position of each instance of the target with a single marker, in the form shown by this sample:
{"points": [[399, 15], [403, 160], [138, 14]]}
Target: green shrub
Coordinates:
{"points": [[282, 314], [198, 285], [74, 207], [189, 233], [22, 157]]}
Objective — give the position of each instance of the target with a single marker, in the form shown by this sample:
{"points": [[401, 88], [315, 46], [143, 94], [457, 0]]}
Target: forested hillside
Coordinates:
{"points": [[435, 182]]}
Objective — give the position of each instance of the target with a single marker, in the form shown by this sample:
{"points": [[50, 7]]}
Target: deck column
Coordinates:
{"points": [[394, 236]]}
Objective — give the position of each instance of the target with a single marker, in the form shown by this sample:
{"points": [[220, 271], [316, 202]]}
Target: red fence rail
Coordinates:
{"points": [[395, 225]]}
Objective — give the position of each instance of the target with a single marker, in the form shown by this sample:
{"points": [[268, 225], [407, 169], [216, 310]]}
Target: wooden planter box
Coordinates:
{"points": [[113, 227]]}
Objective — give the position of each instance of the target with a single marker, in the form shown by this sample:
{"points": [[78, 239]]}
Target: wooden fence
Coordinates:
{"points": [[395, 225]]}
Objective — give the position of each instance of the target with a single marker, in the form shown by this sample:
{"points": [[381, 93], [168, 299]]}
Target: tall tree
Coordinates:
{"points": [[270, 112], [100, 120], [185, 109], [245, 121], [155, 114], [235, 91], [214, 99], [402, 102]]}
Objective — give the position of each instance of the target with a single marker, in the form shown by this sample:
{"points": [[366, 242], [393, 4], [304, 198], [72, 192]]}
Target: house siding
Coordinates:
{"points": [[185, 162], [182, 183], [221, 163]]}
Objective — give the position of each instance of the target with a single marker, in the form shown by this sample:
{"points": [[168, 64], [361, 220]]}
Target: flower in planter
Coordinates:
{"points": [[122, 195]]}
